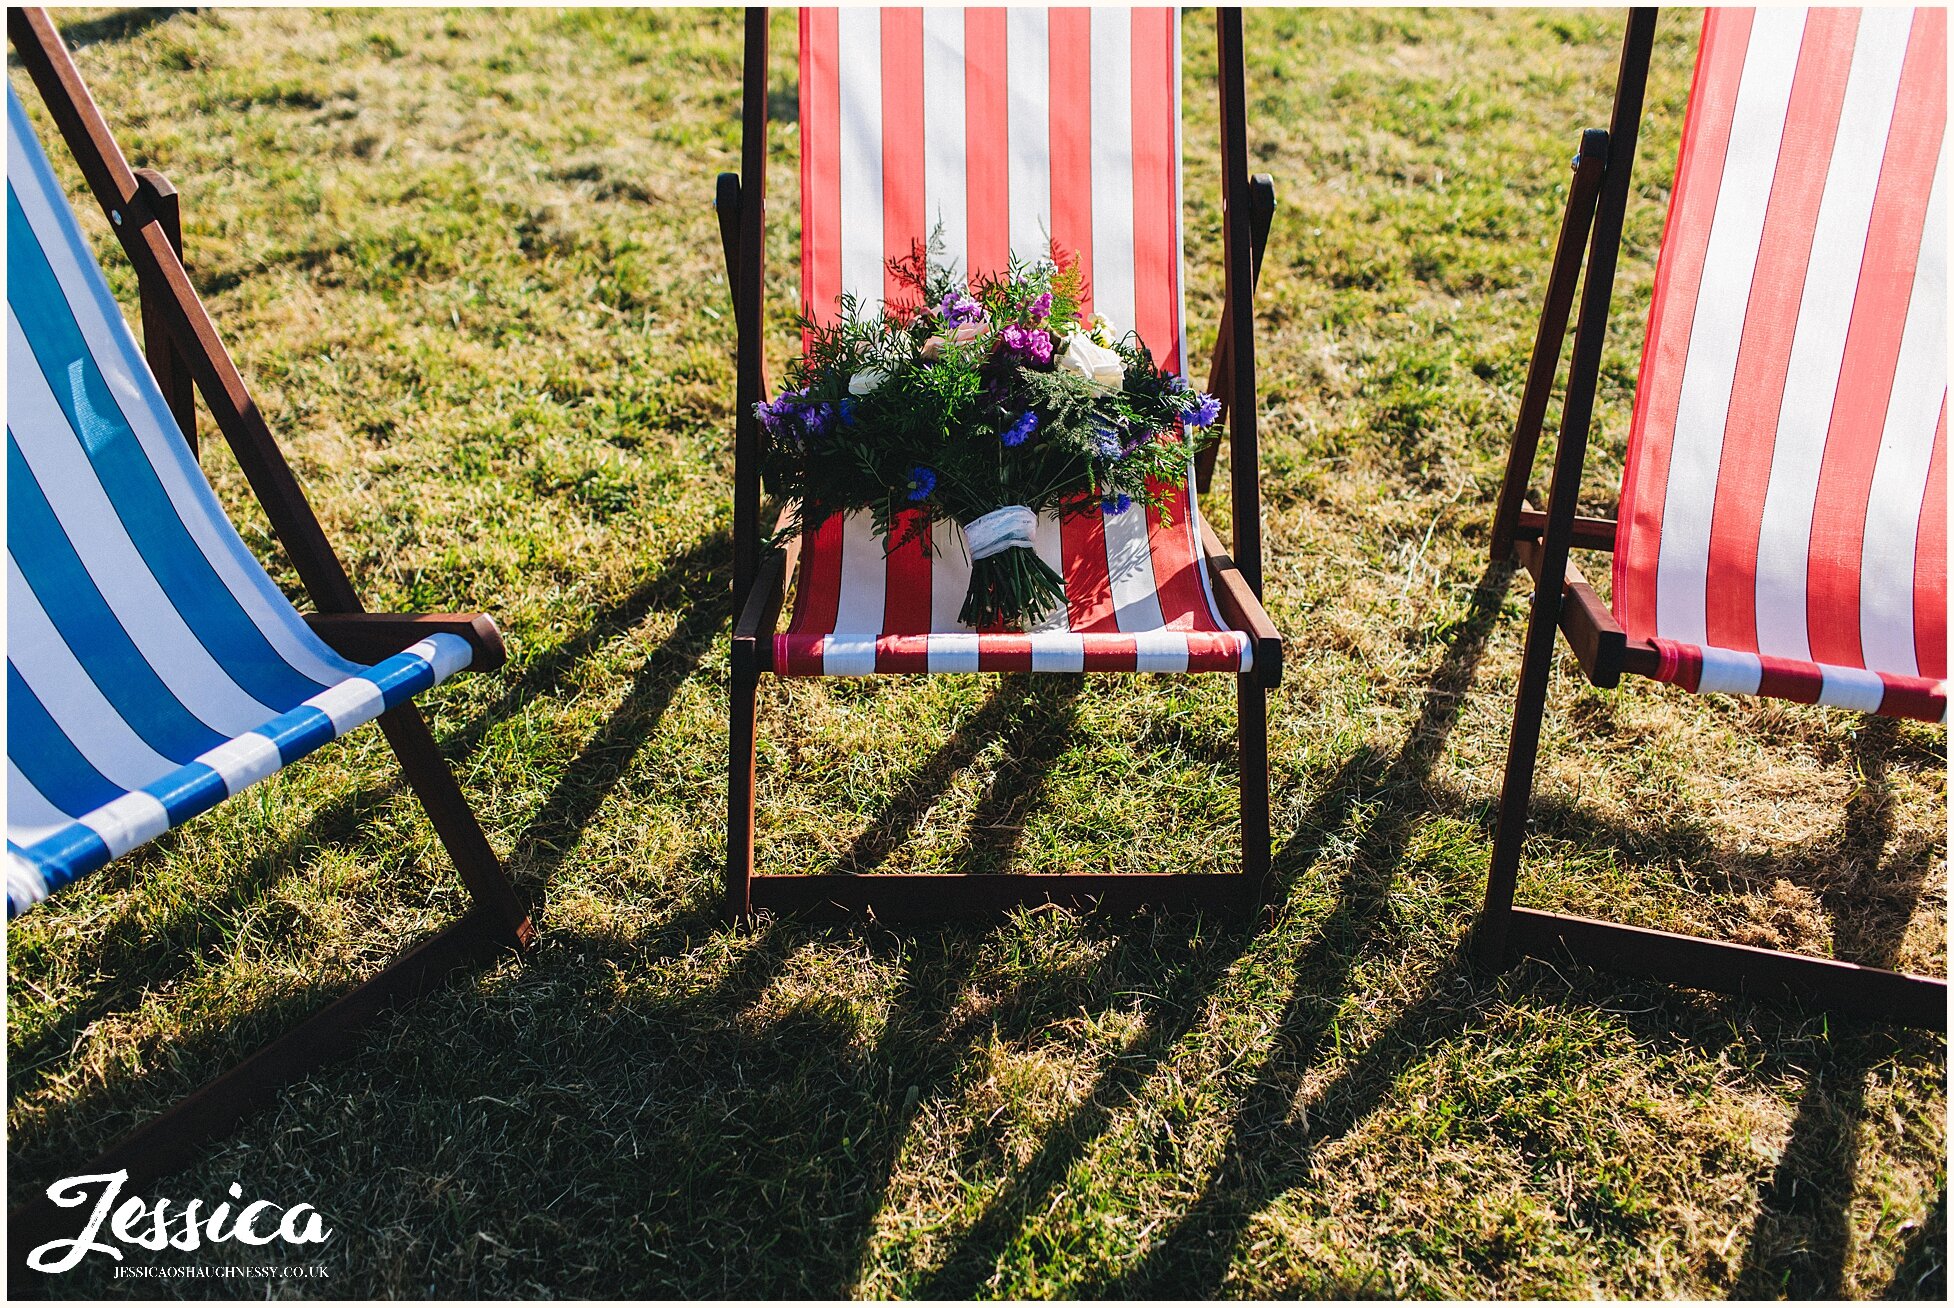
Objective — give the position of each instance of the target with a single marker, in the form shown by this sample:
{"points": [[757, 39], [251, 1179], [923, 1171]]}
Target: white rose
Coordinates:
{"points": [[866, 380], [1093, 361]]}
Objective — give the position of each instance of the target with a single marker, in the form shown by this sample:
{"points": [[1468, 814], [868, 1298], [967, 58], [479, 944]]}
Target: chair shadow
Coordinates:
{"points": [[118, 25], [1922, 1273], [1799, 1243], [143, 954], [1189, 1260]]}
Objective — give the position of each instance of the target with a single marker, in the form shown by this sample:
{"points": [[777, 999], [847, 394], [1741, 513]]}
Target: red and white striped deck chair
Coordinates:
{"points": [[1782, 527], [1010, 131]]}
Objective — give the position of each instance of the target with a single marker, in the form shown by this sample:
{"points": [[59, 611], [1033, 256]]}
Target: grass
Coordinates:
{"points": [[469, 263]]}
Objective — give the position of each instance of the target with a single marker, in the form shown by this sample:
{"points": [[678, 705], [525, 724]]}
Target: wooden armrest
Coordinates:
{"points": [[1598, 641], [753, 628], [370, 637], [1589, 533], [1242, 609]]}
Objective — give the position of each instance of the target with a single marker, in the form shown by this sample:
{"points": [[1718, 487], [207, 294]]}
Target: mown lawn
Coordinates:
{"points": [[469, 262]]}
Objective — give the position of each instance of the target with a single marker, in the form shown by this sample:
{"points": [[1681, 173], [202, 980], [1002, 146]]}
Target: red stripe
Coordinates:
{"points": [[987, 147], [820, 162], [1088, 583], [1872, 347], [1176, 576], [1069, 39], [1003, 652], [1679, 276], [1213, 652], [1112, 654], [1770, 321], [1930, 564], [1790, 679], [1156, 186], [910, 574], [1913, 697], [819, 597], [902, 654], [903, 209]]}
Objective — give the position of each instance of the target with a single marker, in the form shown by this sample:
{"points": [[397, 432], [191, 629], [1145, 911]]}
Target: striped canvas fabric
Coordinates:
{"points": [[1011, 128], [153, 669], [1783, 524]]}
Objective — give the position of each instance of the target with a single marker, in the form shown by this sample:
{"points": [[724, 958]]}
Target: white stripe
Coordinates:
{"points": [[1851, 688], [112, 344], [953, 652], [1112, 166], [31, 816], [243, 762], [1160, 651], [847, 656], [1906, 449], [945, 165], [1818, 342], [864, 577], [350, 703], [25, 884], [1757, 127], [445, 652], [79, 709], [860, 65], [1058, 651], [1729, 672], [129, 821], [1129, 570], [54, 453], [1028, 71], [949, 575]]}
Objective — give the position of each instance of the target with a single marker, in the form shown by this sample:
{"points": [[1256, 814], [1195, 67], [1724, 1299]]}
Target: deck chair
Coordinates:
{"points": [[153, 668], [1009, 129], [1782, 525]]}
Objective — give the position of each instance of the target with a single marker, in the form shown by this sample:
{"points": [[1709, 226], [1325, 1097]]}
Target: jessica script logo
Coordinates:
{"points": [[134, 1222]]}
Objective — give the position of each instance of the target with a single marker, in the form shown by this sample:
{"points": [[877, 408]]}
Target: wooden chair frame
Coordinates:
{"points": [[185, 353], [1542, 541], [760, 582]]}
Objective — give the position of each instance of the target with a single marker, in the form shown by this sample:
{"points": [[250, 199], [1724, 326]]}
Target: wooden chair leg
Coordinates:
{"points": [[739, 797], [496, 902], [1252, 741], [1490, 944]]}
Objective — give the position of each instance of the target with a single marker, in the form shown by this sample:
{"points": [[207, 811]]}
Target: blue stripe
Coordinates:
{"points": [[401, 677], [89, 626], [46, 757], [192, 789], [298, 733], [186, 576], [62, 858]]}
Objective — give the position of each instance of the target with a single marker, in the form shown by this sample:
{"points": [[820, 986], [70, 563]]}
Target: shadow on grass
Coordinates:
{"points": [[117, 25], [140, 954], [1188, 1261]]}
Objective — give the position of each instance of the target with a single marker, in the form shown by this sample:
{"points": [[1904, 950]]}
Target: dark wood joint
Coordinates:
{"points": [[370, 637]]}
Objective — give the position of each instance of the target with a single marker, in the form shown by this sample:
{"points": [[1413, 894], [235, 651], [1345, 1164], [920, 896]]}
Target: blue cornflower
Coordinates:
{"points": [[922, 481], [847, 409], [1107, 442], [1114, 505], [1020, 431], [1205, 411]]}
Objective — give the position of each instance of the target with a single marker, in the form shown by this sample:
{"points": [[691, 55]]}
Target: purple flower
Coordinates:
{"points": [[922, 481], [847, 410], [1107, 442], [1176, 384], [958, 308], [819, 419], [1042, 306], [1114, 505], [1033, 343], [1020, 431], [1205, 411]]}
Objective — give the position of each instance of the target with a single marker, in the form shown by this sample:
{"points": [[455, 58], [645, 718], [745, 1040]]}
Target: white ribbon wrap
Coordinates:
{"points": [[1011, 527]]}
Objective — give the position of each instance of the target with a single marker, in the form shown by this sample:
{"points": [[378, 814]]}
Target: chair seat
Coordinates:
{"points": [[153, 668], [1136, 592]]}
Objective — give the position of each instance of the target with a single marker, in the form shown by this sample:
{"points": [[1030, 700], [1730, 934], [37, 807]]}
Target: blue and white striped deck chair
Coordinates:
{"points": [[153, 668]]}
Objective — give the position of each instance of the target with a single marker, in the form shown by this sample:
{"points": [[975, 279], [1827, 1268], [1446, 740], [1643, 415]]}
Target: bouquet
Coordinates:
{"points": [[986, 404]]}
